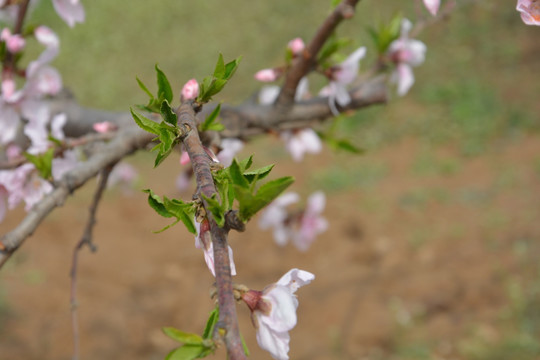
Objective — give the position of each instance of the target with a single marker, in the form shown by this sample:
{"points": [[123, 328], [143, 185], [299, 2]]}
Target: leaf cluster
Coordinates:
{"points": [[213, 84], [42, 162], [170, 208], [386, 33]]}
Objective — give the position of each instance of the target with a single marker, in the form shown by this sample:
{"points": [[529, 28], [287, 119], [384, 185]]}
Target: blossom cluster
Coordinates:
{"points": [[26, 110]]}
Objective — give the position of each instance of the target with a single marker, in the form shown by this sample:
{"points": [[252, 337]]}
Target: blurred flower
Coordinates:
{"points": [[183, 181], [530, 11], [267, 75], [190, 90], [63, 164], [342, 75], [123, 175], [24, 184], [14, 43], [71, 11], [300, 142], [275, 216], [274, 311], [311, 223], [296, 45], [301, 227], [203, 240], [104, 127], [229, 148], [432, 6], [405, 53]]}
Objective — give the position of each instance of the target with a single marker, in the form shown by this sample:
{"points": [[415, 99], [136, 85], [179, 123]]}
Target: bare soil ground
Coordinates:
{"points": [[424, 255]]}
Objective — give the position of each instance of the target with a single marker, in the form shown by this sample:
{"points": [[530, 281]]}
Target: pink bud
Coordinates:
{"points": [[296, 45], [14, 43], [267, 75], [190, 90], [104, 127], [184, 158]]}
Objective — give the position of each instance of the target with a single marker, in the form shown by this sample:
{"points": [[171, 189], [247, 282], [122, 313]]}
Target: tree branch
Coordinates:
{"points": [[125, 143], [303, 64], [228, 323]]}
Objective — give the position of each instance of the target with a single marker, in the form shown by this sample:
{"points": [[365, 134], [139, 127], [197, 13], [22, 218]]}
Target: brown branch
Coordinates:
{"points": [[9, 61], [303, 64], [227, 326], [86, 239], [125, 143]]}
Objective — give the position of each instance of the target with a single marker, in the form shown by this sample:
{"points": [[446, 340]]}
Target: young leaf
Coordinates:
{"points": [[145, 123], [156, 203], [42, 162], [216, 209], [211, 323], [236, 175], [186, 352], [251, 204], [164, 87], [246, 164], [168, 114], [209, 121], [230, 68], [145, 89], [259, 174], [219, 72], [182, 211], [183, 337]]}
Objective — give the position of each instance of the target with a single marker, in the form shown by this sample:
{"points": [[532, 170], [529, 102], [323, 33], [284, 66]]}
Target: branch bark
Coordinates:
{"points": [[227, 326]]}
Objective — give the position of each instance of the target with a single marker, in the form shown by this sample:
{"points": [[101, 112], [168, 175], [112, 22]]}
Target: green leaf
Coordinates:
{"points": [[42, 162], [236, 175], [168, 114], [332, 46], [251, 204], [186, 352], [219, 72], [156, 203], [145, 89], [246, 163], [230, 68], [145, 123], [182, 211], [259, 174], [216, 209], [164, 87], [211, 323], [244, 345], [209, 121], [183, 337]]}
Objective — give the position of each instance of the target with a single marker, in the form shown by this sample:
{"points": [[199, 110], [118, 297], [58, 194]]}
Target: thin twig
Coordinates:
{"points": [[9, 61], [303, 64], [126, 142], [86, 239]]}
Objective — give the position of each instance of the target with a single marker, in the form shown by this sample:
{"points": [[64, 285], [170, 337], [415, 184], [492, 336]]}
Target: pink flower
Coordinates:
{"points": [[432, 6], [104, 127], [311, 223], [24, 184], [343, 75], [63, 164], [296, 46], [190, 90], [405, 53], [274, 311], [71, 11], [300, 142], [123, 175], [275, 216], [14, 43], [267, 75], [229, 148], [204, 240], [530, 11]]}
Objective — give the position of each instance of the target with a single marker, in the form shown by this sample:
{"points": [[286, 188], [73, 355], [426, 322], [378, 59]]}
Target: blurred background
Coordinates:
{"points": [[432, 251]]}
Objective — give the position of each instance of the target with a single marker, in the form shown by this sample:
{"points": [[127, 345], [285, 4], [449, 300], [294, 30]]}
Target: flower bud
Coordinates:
{"points": [[267, 75], [190, 90], [296, 46]]}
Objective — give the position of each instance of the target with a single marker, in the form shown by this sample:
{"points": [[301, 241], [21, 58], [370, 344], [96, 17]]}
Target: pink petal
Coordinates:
{"points": [[190, 90], [432, 6], [71, 11]]}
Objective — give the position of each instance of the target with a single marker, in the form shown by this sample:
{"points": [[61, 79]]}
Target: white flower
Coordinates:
{"points": [[343, 75], [432, 6], [311, 223], [274, 311], [203, 240], [71, 11], [229, 148], [405, 53], [530, 11], [275, 216], [300, 142], [269, 93]]}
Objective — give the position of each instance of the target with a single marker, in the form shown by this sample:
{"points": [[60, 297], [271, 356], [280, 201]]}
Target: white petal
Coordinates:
{"points": [[310, 139], [276, 343], [316, 203], [295, 279], [432, 6], [348, 70], [404, 77], [282, 315], [268, 94]]}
